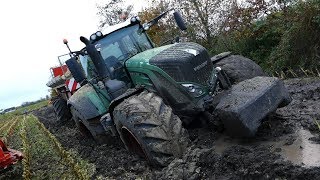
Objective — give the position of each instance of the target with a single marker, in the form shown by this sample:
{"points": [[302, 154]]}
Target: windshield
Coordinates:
{"points": [[117, 47], [123, 44]]}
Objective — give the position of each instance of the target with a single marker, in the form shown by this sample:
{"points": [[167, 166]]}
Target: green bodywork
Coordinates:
{"points": [[141, 73], [146, 74], [137, 71]]}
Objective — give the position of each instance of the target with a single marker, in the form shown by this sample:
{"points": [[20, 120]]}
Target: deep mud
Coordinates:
{"points": [[287, 146]]}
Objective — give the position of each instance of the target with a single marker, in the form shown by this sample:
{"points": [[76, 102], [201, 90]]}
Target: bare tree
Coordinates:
{"points": [[113, 12], [204, 17], [166, 29]]}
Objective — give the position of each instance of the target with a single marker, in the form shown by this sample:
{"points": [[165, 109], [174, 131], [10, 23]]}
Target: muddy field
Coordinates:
{"points": [[287, 146]]}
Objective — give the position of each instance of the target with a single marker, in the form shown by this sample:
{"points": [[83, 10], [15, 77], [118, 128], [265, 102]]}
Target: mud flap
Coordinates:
{"points": [[248, 102]]}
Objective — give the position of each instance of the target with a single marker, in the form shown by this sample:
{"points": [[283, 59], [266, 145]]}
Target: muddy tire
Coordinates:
{"points": [[86, 133], [149, 128], [239, 68], [61, 109], [80, 126]]}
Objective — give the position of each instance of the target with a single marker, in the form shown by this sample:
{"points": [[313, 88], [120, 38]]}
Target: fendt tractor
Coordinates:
{"points": [[149, 96]]}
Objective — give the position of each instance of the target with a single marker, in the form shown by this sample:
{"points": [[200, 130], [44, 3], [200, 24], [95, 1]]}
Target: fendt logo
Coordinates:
{"points": [[202, 65]]}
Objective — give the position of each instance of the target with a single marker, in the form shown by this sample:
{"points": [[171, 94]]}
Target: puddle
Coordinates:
{"points": [[222, 144], [301, 152]]}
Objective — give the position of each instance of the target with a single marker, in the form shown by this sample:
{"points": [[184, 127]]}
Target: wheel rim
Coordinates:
{"points": [[84, 131], [132, 143]]}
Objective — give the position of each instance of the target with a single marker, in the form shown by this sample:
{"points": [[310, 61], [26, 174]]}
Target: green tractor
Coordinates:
{"points": [[148, 95]]}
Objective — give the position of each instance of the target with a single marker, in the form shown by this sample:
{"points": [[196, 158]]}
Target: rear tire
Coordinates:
{"points": [[84, 131], [61, 109], [239, 68], [149, 128]]}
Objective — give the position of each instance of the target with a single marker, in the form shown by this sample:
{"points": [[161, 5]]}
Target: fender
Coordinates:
{"points": [[128, 93], [87, 103], [218, 57]]}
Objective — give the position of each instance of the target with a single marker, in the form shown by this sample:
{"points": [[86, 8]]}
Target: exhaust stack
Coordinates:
{"points": [[99, 64]]}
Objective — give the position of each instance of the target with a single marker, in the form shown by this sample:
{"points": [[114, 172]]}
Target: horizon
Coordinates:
{"points": [[28, 56]]}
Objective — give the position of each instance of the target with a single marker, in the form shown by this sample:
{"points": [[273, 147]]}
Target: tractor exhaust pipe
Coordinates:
{"points": [[98, 62]]}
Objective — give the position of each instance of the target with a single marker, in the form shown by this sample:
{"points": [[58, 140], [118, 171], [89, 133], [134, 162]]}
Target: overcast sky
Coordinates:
{"points": [[31, 39]]}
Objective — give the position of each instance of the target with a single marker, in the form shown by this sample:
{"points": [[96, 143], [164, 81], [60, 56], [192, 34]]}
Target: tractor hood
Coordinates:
{"points": [[143, 58], [183, 62]]}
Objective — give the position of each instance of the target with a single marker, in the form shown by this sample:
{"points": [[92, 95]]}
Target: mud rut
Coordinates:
{"points": [[287, 145]]}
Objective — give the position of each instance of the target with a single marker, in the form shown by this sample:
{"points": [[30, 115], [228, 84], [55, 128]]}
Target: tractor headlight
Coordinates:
{"points": [[133, 19], [146, 26], [93, 37], [99, 33], [195, 90]]}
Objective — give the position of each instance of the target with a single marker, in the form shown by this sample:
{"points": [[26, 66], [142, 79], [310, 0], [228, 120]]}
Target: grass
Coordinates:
{"points": [[8, 131], [296, 74], [78, 171], [21, 110], [44, 156], [26, 151], [32, 107]]}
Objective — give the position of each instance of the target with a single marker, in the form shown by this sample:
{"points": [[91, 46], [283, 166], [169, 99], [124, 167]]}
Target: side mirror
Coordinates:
{"points": [[76, 70], [179, 20]]}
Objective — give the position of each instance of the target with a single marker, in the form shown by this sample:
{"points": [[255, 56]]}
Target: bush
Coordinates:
{"points": [[280, 42]]}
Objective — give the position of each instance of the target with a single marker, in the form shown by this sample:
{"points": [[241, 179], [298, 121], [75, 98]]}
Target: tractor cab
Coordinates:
{"points": [[104, 58], [115, 47]]}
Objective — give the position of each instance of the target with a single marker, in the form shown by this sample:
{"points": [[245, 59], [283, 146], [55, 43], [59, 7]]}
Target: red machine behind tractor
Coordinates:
{"points": [[63, 86], [8, 156]]}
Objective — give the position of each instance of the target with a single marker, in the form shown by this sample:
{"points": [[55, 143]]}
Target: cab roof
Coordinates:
{"points": [[110, 29]]}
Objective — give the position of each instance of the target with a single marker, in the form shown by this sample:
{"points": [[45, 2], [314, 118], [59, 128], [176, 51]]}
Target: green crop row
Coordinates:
{"points": [[31, 107], [26, 151], [6, 124], [9, 131], [66, 156], [44, 156]]}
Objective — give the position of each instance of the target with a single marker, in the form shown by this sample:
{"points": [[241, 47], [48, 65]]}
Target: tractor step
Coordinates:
{"points": [[248, 102]]}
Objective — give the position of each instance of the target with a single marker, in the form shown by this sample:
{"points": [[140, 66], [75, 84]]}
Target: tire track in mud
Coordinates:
{"points": [[66, 156], [111, 160], [213, 155]]}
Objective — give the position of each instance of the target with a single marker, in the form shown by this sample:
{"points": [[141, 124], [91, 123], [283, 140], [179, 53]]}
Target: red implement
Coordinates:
{"points": [[8, 156]]}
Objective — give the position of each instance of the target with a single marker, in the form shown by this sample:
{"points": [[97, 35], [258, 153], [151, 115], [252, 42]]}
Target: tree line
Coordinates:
{"points": [[282, 36]]}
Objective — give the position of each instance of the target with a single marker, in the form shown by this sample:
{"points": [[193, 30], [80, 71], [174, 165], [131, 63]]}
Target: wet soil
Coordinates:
{"points": [[287, 146]]}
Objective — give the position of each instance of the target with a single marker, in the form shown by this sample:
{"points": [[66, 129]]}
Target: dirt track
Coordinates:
{"points": [[287, 146]]}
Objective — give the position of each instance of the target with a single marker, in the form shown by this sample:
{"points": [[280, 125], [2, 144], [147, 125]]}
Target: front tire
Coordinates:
{"points": [[149, 128], [239, 68]]}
